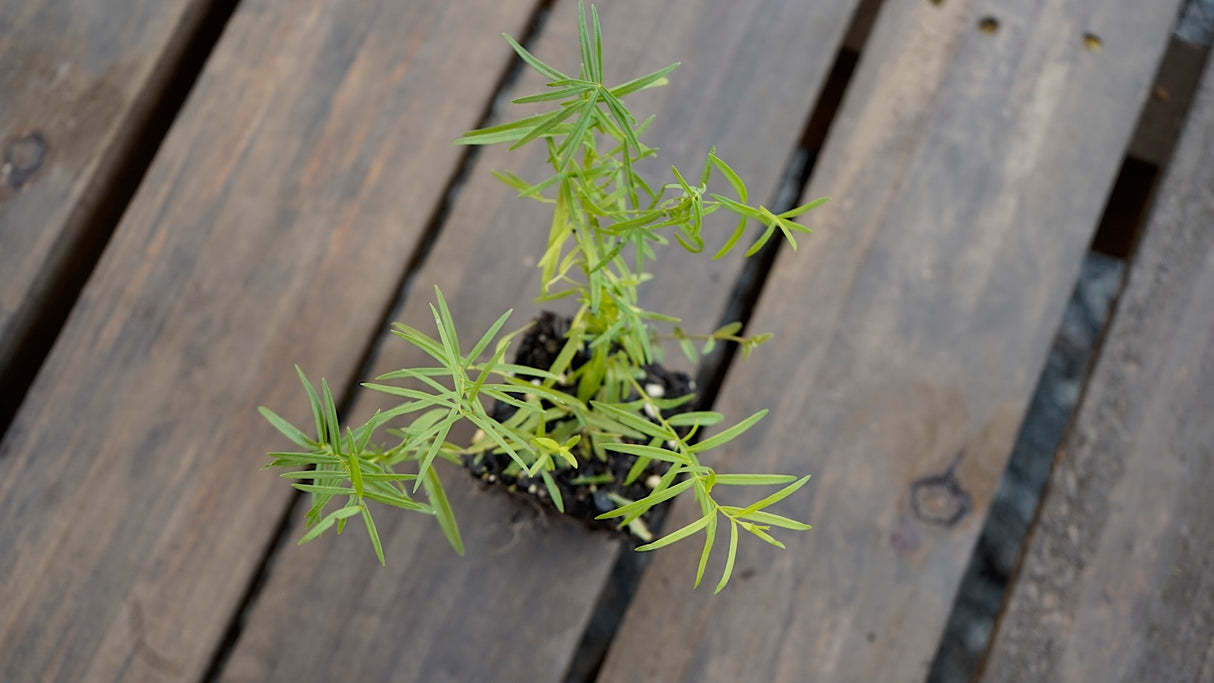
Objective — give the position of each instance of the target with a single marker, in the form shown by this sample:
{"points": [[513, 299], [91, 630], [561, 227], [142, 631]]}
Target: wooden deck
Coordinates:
{"points": [[307, 192]]}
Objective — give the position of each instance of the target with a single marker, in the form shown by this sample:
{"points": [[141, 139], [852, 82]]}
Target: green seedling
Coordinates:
{"points": [[608, 224]]}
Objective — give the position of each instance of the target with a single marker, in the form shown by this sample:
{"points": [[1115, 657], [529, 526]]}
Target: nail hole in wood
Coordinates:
{"points": [[988, 25], [1092, 42]]}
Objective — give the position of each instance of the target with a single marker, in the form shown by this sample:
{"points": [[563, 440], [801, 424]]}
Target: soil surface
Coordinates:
{"points": [[538, 349]]}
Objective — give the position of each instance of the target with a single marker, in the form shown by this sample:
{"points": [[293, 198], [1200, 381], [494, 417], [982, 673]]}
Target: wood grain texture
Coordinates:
{"points": [[515, 606], [78, 80], [969, 170], [273, 227], [1118, 579]]}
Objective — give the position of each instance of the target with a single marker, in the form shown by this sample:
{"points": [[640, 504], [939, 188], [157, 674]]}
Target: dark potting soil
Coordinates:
{"points": [[538, 349]]}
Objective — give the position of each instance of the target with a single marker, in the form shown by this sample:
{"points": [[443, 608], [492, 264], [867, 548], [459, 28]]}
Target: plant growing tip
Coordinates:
{"points": [[549, 428]]}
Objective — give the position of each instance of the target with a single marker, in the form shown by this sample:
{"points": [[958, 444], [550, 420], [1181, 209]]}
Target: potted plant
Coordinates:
{"points": [[584, 419]]}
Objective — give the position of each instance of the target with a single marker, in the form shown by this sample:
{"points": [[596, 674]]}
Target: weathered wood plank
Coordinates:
{"points": [[969, 170], [78, 83], [1118, 580], [274, 226], [514, 607]]}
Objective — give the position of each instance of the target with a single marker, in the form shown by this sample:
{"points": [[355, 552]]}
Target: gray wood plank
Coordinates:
{"points": [[1117, 583], [78, 81], [514, 607], [273, 227], [969, 170]]}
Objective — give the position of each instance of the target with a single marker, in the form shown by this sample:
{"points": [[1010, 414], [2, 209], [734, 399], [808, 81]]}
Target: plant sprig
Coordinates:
{"points": [[607, 224]]}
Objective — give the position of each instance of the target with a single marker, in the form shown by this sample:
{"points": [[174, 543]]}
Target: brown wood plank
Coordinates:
{"points": [[1118, 580], [78, 83], [969, 170], [515, 606], [273, 227]]}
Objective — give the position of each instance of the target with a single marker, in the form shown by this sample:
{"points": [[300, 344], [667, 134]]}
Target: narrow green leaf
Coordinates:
{"points": [[736, 207], [758, 531], [501, 133], [545, 126], [374, 535], [731, 176], [282, 459], [487, 337], [356, 473], [793, 213], [648, 501], [570, 145], [583, 34], [554, 94], [318, 475], [774, 498], [365, 432], [701, 418], [728, 330], [643, 82], [648, 452], [488, 368], [689, 350], [553, 491], [288, 430], [633, 421], [754, 248], [314, 401], [733, 239], [422, 341], [443, 428], [597, 34], [754, 479], [513, 369], [710, 534], [423, 375], [733, 554], [446, 328], [621, 115], [328, 522], [395, 499], [573, 339], [442, 508], [637, 468], [777, 520], [729, 434], [536, 64], [324, 490], [491, 428], [420, 396], [680, 534], [332, 426]]}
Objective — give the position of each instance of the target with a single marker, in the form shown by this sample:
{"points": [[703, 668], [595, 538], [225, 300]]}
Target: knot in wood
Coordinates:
{"points": [[23, 156], [939, 498]]}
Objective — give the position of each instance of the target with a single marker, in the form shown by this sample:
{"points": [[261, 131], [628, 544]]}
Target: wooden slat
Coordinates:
{"points": [[515, 606], [969, 170], [273, 227], [78, 81], [1118, 580]]}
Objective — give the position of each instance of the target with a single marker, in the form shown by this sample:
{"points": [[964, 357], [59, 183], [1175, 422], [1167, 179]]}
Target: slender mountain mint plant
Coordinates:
{"points": [[590, 403]]}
